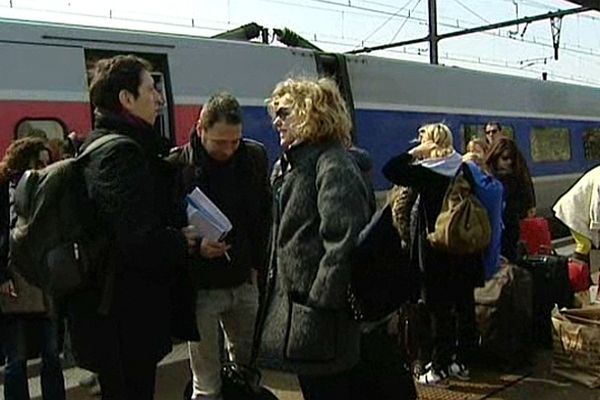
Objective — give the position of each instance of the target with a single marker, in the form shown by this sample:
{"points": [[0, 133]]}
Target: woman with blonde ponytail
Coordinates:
{"points": [[447, 280]]}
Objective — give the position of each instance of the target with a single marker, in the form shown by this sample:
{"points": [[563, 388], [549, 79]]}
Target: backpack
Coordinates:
{"points": [[381, 277], [56, 244], [463, 226]]}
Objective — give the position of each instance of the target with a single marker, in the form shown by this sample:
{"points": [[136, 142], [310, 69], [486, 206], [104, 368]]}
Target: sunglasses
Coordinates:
{"points": [[491, 132], [282, 113]]}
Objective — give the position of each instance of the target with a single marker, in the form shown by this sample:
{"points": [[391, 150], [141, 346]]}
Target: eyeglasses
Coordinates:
{"points": [[491, 132], [282, 113]]}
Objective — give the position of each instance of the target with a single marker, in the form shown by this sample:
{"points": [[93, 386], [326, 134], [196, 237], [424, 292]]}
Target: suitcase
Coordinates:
{"points": [[535, 232], [551, 286], [579, 275]]}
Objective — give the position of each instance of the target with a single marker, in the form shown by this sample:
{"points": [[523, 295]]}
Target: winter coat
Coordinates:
{"points": [[321, 205], [430, 178], [240, 188], [131, 190], [579, 207]]}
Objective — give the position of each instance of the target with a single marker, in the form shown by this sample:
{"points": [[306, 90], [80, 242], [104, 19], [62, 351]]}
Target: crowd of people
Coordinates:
{"points": [[274, 290]]}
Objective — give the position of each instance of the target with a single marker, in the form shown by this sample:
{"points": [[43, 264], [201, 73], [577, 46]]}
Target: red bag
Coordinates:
{"points": [[535, 232], [579, 275]]}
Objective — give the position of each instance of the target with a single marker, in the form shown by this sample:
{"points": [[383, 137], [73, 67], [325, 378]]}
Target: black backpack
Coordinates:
{"points": [[382, 276], [56, 244]]}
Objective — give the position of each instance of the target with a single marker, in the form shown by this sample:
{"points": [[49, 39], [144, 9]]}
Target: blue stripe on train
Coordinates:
{"points": [[387, 133]]}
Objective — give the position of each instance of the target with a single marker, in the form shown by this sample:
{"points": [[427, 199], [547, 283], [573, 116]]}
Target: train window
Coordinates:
{"points": [[50, 129], [477, 131], [550, 144], [591, 144]]}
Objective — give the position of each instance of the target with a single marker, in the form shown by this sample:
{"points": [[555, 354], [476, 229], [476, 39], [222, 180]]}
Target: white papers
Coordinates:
{"points": [[206, 218]]}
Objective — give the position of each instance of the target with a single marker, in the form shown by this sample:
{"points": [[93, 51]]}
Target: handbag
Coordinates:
{"points": [[238, 382], [30, 299], [462, 227], [381, 276]]}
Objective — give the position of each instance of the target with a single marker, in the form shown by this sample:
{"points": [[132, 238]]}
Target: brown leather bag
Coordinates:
{"points": [[463, 226], [30, 299]]}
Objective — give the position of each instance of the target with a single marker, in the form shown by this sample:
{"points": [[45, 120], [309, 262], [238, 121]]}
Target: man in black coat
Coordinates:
{"points": [[121, 327], [233, 173]]}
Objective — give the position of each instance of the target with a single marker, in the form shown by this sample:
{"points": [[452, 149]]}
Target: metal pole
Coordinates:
{"points": [[433, 36], [475, 30]]}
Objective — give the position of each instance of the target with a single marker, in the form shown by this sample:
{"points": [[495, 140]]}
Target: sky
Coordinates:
{"points": [[343, 25]]}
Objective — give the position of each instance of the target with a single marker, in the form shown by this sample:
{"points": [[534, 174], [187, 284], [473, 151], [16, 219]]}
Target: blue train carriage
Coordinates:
{"points": [[556, 125]]}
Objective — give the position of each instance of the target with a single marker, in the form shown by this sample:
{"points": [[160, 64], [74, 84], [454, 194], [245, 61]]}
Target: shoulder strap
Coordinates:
{"points": [[101, 141]]}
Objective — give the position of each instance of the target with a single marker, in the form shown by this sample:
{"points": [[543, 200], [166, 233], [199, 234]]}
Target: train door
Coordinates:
{"points": [[334, 66], [165, 122]]}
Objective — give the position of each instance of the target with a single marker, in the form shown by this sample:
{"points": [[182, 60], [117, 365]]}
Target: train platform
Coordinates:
{"points": [[533, 383], [530, 383]]}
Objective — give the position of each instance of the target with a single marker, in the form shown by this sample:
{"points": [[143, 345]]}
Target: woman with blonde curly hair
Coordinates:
{"points": [[447, 280], [321, 204]]}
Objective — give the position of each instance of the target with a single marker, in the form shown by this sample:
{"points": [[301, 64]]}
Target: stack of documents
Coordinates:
{"points": [[208, 221]]}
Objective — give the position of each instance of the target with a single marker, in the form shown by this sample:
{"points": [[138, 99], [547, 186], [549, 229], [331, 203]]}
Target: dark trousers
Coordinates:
{"points": [[382, 372], [453, 326], [122, 348], [132, 379], [326, 387], [23, 337]]}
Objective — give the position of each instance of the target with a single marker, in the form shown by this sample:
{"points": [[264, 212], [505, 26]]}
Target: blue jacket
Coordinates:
{"points": [[490, 193]]}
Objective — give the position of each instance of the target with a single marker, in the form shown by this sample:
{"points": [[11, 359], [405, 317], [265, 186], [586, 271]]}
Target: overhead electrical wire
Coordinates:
{"points": [[405, 21], [391, 15], [387, 20]]}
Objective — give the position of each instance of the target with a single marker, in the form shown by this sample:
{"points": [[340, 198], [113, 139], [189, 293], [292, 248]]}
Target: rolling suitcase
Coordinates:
{"points": [[551, 286]]}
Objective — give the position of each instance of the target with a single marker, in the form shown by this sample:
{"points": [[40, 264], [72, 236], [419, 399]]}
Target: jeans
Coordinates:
{"points": [[19, 334], [234, 310]]}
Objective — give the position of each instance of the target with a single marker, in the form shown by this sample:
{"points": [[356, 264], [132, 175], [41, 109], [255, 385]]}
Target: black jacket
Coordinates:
{"points": [[519, 197], [132, 188], [240, 188], [440, 269]]}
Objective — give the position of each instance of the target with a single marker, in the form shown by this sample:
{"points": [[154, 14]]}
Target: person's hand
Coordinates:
{"points": [[8, 289], [191, 237], [210, 249], [423, 150]]}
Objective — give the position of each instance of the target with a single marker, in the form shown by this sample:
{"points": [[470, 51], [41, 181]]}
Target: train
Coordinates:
{"points": [[44, 87]]}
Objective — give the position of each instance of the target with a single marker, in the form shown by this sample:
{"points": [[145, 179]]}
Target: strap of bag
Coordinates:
{"points": [[101, 141]]}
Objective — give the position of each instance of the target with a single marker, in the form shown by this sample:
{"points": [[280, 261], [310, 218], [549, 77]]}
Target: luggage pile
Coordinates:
{"points": [[564, 317]]}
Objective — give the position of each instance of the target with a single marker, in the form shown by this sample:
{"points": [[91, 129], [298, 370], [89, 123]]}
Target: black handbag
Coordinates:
{"points": [[238, 383], [381, 278]]}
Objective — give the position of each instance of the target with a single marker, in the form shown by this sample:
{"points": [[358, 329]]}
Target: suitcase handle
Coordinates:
{"points": [[547, 250]]}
